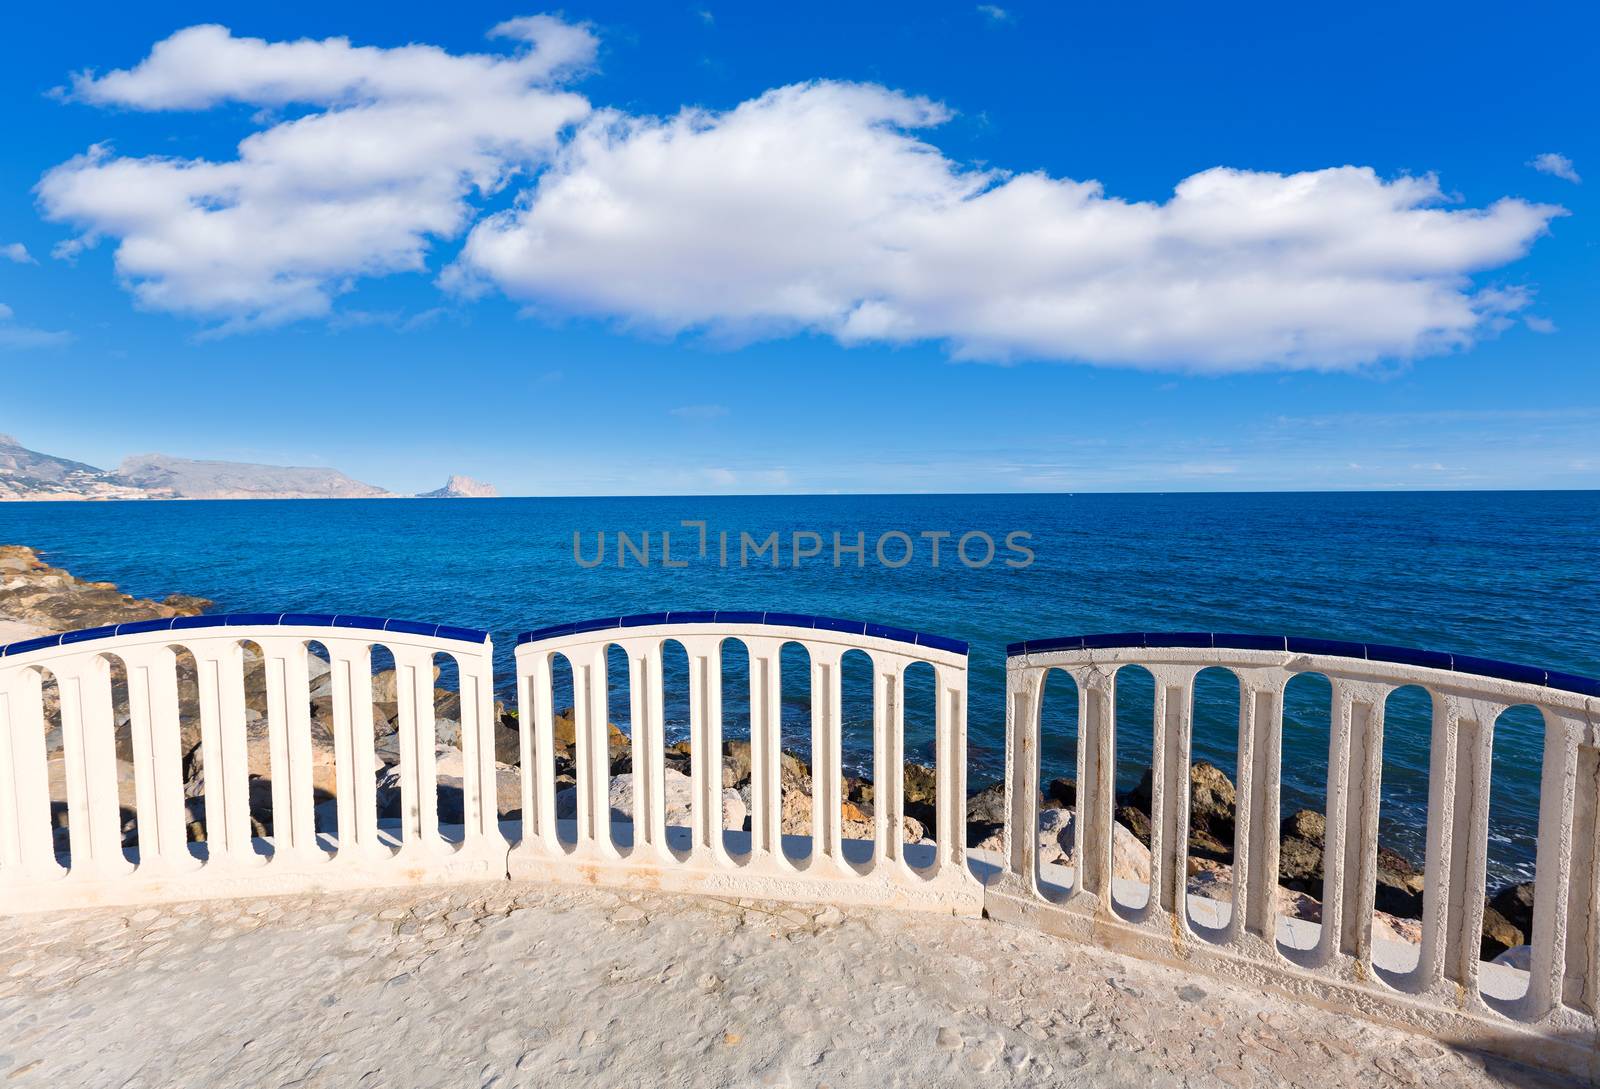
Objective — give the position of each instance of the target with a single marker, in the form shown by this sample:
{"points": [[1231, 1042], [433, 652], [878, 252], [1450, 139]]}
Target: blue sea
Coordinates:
{"points": [[1513, 575]]}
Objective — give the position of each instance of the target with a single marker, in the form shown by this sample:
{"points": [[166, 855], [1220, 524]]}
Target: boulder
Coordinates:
{"points": [[1130, 859], [1515, 905], [678, 797], [1211, 808], [1499, 934]]}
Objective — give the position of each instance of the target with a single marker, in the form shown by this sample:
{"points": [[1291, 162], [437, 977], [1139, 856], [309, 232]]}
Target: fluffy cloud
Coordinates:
{"points": [[16, 253], [382, 155], [819, 207], [1558, 165], [815, 207]]}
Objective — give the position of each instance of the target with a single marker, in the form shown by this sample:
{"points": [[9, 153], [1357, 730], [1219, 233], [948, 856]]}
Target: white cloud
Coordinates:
{"points": [[17, 253], [1538, 324], [814, 207], [995, 13], [698, 412], [13, 335], [1558, 165], [384, 157]]}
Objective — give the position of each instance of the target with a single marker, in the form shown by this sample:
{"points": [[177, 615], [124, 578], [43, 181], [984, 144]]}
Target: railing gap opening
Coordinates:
{"points": [[676, 716], [1059, 816], [1134, 741], [1303, 813], [921, 768], [196, 820], [623, 747], [564, 732], [733, 761], [1396, 881], [1206, 856], [324, 772], [859, 689], [1507, 940], [794, 737], [122, 734], [56, 768], [258, 746]]}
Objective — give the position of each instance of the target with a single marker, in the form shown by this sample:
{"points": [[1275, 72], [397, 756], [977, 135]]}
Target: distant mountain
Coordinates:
{"points": [[181, 478], [28, 474], [461, 487]]}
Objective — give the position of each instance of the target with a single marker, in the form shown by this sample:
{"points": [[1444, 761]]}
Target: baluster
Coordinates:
{"points": [[153, 721], [1582, 956], [356, 759], [826, 757], [1458, 827], [593, 753], [705, 745], [1260, 766], [89, 753], [220, 668], [1556, 862], [1352, 842], [766, 745], [1024, 689], [950, 772], [294, 818], [1096, 759], [481, 782], [27, 849], [888, 761], [642, 724], [419, 775], [1169, 777], [539, 764]]}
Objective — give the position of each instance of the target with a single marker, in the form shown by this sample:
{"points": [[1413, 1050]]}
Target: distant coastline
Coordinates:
{"points": [[28, 475]]}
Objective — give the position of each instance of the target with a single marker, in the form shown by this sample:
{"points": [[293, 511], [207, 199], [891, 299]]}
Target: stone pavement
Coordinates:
{"points": [[499, 985]]}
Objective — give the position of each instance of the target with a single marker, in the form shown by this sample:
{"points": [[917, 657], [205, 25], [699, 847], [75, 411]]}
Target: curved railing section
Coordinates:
{"points": [[1546, 1015], [97, 866], [645, 852]]}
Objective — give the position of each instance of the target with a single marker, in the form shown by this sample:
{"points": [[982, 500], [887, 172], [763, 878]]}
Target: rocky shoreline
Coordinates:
{"points": [[36, 598]]}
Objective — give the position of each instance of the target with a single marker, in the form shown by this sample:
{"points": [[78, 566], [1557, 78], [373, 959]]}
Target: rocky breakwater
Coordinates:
{"points": [[1508, 912]]}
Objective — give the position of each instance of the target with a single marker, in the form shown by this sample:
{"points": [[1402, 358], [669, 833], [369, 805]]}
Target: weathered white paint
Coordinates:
{"points": [[1336, 963], [649, 855]]}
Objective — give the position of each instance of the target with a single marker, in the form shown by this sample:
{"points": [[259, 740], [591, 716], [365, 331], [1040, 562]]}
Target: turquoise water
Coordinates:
{"points": [[1505, 575]]}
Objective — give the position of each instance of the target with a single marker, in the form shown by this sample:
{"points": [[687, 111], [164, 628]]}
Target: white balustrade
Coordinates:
{"points": [[1546, 1015], [595, 846], [162, 864]]}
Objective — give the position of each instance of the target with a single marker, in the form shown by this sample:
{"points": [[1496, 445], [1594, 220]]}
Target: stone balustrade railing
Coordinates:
{"points": [[96, 867], [757, 862], [1545, 1012], [1442, 987]]}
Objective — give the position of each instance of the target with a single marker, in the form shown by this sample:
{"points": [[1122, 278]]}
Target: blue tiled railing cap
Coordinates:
{"points": [[748, 617], [1372, 652], [240, 620]]}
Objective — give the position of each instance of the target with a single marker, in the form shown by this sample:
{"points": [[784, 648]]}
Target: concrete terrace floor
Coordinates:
{"points": [[504, 985]]}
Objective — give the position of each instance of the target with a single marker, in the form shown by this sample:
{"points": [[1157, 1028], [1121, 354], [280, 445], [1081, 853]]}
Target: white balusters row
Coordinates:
{"points": [[95, 867], [754, 862], [1552, 1023]]}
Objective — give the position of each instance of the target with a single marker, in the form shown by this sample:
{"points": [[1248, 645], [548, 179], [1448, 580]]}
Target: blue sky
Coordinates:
{"points": [[889, 277]]}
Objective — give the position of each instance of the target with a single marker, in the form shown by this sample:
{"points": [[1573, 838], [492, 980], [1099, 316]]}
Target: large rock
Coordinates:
{"points": [[53, 600], [1211, 808], [1515, 905], [856, 821], [1499, 934], [1130, 859], [678, 796]]}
